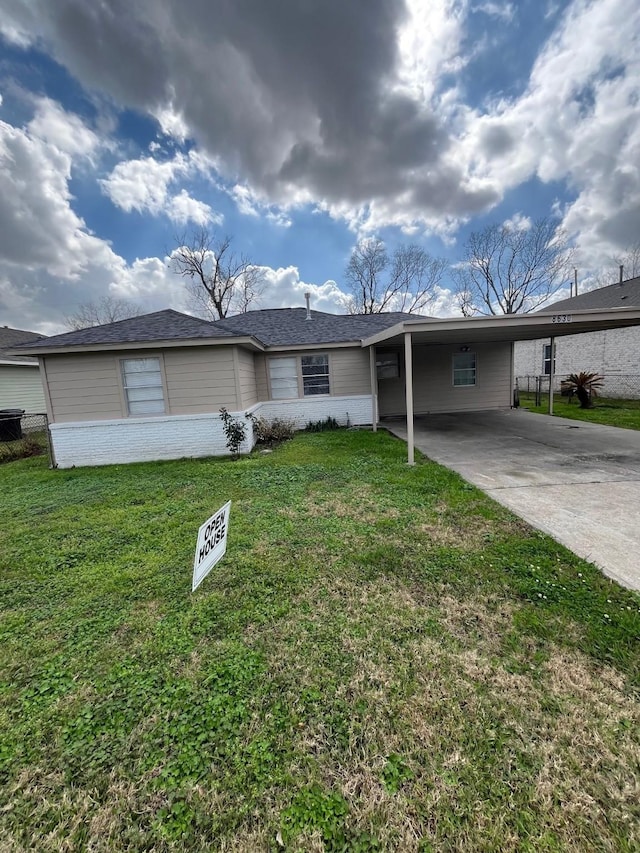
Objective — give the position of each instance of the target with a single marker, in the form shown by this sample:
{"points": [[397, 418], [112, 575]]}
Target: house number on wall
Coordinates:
{"points": [[561, 318]]}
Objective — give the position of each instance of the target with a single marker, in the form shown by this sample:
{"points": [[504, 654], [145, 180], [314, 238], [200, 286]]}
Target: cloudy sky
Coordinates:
{"points": [[297, 127]]}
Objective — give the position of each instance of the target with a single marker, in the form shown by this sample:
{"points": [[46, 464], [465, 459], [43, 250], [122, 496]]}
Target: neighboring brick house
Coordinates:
{"points": [[612, 353]]}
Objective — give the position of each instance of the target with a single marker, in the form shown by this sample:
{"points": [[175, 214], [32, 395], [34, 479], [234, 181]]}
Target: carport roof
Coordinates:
{"points": [[505, 328]]}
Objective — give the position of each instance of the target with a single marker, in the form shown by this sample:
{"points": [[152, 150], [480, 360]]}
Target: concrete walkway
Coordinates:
{"points": [[578, 482]]}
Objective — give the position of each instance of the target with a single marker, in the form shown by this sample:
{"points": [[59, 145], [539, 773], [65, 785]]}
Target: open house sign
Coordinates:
{"points": [[212, 544]]}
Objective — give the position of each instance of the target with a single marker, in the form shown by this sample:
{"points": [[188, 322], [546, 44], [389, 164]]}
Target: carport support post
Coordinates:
{"points": [[374, 388], [551, 373], [408, 385]]}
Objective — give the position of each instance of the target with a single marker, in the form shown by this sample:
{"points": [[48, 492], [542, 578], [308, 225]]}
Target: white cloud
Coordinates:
{"points": [[145, 185], [504, 11], [577, 122], [181, 209], [49, 261], [37, 224], [66, 131], [285, 289], [518, 222], [250, 203]]}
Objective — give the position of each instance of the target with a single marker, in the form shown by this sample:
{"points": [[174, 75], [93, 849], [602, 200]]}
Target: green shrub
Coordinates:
{"points": [[235, 432], [328, 423]]}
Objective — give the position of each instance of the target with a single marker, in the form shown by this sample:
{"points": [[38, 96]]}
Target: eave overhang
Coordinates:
{"points": [[505, 328], [241, 340]]}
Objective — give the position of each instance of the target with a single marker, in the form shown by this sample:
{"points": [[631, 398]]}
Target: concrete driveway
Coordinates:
{"points": [[578, 482]]}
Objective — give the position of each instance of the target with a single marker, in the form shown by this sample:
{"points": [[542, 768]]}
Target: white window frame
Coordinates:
{"points": [[292, 378], [125, 387], [546, 360], [322, 375], [300, 384], [457, 370]]}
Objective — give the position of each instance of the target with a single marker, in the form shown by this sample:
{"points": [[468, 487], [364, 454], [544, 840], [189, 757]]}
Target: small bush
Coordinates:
{"points": [[21, 449], [235, 432], [271, 432], [327, 424]]}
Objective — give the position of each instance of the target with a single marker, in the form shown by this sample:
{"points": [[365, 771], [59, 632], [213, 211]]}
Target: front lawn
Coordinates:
{"points": [[610, 412], [384, 660]]}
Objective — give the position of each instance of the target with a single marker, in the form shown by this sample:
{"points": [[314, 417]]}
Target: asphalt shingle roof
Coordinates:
{"points": [[290, 327], [625, 295], [164, 325], [9, 338], [271, 326]]}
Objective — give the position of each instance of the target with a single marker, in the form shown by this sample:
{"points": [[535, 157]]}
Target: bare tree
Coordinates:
{"points": [[509, 269], [220, 281], [404, 281], [108, 309], [629, 261]]}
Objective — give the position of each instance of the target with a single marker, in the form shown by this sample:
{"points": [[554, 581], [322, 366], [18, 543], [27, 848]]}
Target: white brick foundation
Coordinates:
{"points": [[355, 410], [141, 439], [179, 436]]}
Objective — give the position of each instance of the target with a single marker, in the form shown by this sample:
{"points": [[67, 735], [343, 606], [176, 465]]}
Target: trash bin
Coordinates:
{"points": [[10, 424]]}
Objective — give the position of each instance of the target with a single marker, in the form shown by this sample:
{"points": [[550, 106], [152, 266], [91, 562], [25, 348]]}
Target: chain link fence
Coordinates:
{"points": [[617, 386], [24, 434]]}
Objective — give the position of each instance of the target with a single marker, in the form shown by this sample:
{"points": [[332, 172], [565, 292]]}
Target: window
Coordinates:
{"points": [[546, 365], [315, 374], [388, 365], [295, 376], [464, 368], [142, 382], [283, 373]]}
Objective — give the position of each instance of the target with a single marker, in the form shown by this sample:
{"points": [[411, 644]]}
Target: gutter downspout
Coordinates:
{"points": [[408, 385]]}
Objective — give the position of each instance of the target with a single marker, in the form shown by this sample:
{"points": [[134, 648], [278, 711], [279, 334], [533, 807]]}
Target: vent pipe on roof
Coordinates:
{"points": [[575, 280], [621, 273], [307, 297]]}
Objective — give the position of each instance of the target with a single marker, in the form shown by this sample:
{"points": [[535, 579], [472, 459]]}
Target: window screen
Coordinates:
{"points": [[142, 381], [315, 374], [283, 373], [464, 368]]}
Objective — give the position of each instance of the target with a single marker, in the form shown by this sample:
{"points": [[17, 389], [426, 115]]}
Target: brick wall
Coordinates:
{"points": [[175, 437], [140, 439], [356, 410], [613, 351]]}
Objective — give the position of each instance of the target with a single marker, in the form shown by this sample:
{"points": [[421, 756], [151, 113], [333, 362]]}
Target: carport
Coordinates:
{"points": [[455, 341]]}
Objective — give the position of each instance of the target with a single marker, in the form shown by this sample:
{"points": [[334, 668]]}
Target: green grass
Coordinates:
{"points": [[610, 412], [384, 660]]}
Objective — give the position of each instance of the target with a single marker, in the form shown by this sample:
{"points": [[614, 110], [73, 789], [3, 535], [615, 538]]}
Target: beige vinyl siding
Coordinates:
{"points": [[200, 380], [21, 388], [84, 387], [262, 385], [433, 389], [247, 378], [348, 370]]}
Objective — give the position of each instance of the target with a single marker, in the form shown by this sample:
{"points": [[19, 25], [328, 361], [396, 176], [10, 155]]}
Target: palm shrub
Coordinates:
{"points": [[584, 385]]}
